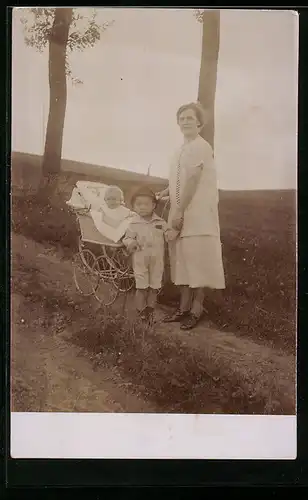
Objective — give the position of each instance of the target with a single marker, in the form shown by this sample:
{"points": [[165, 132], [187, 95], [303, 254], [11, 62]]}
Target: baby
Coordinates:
{"points": [[145, 240], [114, 211], [114, 197]]}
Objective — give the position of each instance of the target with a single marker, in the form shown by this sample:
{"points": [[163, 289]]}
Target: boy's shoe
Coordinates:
{"points": [[190, 322], [147, 315], [143, 315], [176, 316]]}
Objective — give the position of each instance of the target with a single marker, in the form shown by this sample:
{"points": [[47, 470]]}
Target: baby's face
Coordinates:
{"points": [[144, 206], [95, 192], [113, 199]]}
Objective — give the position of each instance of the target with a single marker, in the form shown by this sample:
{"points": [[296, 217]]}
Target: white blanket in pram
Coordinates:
{"points": [[111, 223]]}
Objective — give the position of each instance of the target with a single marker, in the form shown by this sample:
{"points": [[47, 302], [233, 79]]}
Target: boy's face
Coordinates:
{"points": [[113, 199], [144, 206]]}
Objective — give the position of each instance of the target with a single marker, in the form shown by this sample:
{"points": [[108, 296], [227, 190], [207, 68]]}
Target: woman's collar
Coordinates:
{"points": [[188, 141]]}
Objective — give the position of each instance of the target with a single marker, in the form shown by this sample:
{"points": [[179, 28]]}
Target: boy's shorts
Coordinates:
{"points": [[148, 270]]}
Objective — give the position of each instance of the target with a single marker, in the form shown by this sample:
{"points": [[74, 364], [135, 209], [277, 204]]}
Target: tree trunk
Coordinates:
{"points": [[208, 70], [57, 93]]}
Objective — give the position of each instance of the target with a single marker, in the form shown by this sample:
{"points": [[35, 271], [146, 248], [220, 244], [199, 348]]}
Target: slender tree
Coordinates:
{"points": [[58, 39], [208, 68], [63, 30]]}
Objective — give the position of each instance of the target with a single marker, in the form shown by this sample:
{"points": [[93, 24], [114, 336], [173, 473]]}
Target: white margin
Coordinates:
{"points": [[158, 436]]}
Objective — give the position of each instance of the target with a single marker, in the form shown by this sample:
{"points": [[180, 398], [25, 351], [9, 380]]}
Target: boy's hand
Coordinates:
{"points": [[133, 246]]}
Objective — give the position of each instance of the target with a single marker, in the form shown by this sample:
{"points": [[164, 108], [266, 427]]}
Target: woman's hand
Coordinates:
{"points": [[177, 220], [171, 234], [162, 194], [177, 224]]}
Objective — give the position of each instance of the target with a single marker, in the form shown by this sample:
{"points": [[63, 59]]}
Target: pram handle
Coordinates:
{"points": [[80, 211]]}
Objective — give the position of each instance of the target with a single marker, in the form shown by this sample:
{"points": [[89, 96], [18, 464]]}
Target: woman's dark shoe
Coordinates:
{"points": [[190, 322], [176, 316]]}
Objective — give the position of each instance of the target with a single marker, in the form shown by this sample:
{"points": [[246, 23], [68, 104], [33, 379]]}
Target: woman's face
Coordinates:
{"points": [[188, 123], [113, 199]]}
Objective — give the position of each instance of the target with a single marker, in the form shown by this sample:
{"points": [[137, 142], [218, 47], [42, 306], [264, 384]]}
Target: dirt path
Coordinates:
{"points": [[51, 374], [64, 360]]}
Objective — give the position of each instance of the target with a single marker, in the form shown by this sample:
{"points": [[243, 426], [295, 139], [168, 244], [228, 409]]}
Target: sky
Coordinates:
{"points": [[144, 67]]}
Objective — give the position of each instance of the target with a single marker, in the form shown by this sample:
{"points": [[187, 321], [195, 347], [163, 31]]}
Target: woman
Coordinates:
{"points": [[195, 254]]}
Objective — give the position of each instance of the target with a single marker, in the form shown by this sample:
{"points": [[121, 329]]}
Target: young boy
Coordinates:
{"points": [[145, 240]]}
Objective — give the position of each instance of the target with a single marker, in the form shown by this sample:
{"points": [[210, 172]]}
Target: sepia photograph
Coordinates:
{"points": [[153, 232]]}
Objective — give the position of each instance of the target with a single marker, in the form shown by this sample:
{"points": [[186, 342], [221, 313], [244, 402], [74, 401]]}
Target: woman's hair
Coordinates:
{"points": [[143, 191], [198, 110], [111, 189]]}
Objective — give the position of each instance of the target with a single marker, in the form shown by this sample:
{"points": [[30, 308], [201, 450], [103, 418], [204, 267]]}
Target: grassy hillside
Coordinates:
{"points": [[258, 237], [26, 170]]}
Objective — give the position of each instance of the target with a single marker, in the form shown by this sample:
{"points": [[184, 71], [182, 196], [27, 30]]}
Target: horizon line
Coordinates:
{"points": [[152, 177]]}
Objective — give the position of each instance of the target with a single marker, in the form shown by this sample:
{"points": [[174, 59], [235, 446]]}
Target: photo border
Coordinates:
{"points": [[39, 473]]}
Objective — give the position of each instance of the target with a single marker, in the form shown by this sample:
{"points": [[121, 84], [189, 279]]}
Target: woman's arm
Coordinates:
{"points": [[163, 193], [201, 158], [190, 187], [189, 191]]}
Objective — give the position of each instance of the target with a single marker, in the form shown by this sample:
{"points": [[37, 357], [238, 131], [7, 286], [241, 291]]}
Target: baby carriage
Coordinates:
{"points": [[102, 267]]}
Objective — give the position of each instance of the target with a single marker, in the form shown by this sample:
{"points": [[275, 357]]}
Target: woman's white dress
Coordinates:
{"points": [[196, 255]]}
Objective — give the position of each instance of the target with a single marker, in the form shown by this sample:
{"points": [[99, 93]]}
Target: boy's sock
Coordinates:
{"points": [[152, 298], [141, 299], [151, 312]]}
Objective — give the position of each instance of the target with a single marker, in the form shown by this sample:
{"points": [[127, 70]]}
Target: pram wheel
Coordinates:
{"points": [[105, 291], [124, 279], [124, 282], [84, 278]]}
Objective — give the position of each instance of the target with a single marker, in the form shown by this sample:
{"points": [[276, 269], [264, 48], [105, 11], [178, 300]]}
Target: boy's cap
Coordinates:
{"points": [[143, 191]]}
